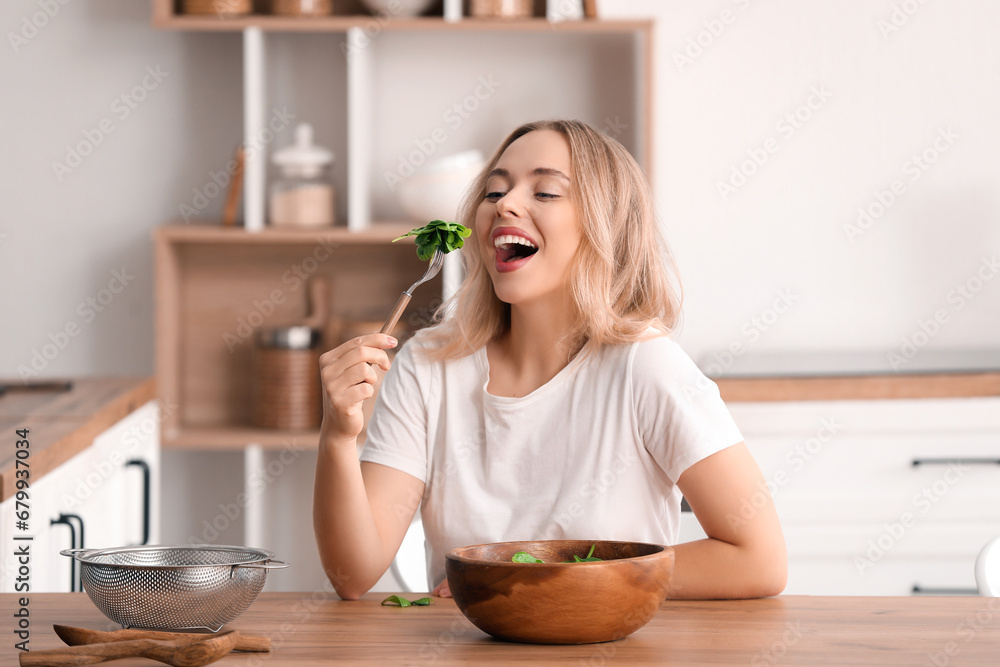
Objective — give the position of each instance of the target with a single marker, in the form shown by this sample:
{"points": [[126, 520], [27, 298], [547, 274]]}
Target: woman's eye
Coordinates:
{"points": [[546, 195], [494, 196]]}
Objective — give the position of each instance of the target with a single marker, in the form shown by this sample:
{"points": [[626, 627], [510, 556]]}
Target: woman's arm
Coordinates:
{"points": [[744, 555], [361, 511]]}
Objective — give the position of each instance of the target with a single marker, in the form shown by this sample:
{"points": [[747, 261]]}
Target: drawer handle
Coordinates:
{"points": [[142, 465], [968, 460], [920, 590], [75, 585]]}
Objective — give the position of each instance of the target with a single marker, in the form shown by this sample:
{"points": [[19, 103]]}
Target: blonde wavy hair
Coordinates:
{"points": [[623, 278]]}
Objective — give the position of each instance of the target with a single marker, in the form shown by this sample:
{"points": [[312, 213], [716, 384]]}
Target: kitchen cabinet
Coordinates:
{"points": [[880, 496], [94, 479]]}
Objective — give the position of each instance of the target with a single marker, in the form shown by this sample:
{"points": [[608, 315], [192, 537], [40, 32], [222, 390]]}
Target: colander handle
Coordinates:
{"points": [[73, 553], [269, 564]]}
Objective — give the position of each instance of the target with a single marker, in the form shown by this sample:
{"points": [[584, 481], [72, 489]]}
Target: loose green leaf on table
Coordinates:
{"points": [[399, 601], [395, 601], [447, 236]]}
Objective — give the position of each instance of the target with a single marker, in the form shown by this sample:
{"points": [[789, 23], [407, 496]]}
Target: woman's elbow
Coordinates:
{"points": [[346, 586], [774, 582], [771, 574], [350, 594]]}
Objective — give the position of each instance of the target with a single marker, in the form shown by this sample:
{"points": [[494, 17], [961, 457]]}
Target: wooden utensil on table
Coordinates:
{"points": [[196, 652], [77, 636]]}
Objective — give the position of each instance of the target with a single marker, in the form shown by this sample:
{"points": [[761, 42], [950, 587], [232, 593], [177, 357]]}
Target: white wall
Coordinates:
{"points": [[62, 240], [66, 234], [893, 81]]}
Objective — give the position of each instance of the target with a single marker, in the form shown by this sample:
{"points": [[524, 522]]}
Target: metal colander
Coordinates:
{"points": [[174, 587]]}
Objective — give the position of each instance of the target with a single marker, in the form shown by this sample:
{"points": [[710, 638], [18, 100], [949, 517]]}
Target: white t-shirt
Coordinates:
{"points": [[593, 454]]}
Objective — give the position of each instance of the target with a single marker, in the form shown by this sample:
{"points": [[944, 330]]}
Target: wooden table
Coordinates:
{"points": [[318, 629]]}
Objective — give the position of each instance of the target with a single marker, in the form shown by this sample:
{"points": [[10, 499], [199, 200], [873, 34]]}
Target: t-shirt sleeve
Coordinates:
{"points": [[679, 413], [397, 430]]}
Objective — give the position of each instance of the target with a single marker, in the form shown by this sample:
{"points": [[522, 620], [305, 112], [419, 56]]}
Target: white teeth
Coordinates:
{"points": [[507, 239]]}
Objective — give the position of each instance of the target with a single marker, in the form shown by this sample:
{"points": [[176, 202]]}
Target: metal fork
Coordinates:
{"points": [[437, 261]]}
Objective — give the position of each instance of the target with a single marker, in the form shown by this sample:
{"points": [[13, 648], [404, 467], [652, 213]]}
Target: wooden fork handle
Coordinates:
{"points": [[397, 312]]}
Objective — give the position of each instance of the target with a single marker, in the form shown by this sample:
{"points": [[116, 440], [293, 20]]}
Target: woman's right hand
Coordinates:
{"points": [[348, 380]]}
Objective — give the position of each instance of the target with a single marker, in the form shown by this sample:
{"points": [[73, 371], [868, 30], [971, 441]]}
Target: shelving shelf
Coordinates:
{"points": [[379, 232], [427, 23]]}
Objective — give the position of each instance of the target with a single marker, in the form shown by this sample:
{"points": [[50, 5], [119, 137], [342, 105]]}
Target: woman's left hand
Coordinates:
{"points": [[442, 590]]}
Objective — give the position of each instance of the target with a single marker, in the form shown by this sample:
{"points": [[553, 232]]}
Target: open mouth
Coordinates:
{"points": [[510, 248]]}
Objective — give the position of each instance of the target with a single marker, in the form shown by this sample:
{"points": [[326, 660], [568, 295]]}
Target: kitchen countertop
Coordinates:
{"points": [[860, 387], [317, 628], [834, 376], [61, 424]]}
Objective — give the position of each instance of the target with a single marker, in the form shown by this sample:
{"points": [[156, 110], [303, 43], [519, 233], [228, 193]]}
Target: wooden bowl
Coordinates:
{"points": [[556, 602]]}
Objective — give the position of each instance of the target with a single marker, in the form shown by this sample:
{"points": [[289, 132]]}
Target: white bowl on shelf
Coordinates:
{"points": [[402, 8], [435, 191]]}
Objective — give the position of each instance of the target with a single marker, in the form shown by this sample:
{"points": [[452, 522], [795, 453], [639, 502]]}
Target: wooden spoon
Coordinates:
{"points": [[76, 636], [176, 652]]}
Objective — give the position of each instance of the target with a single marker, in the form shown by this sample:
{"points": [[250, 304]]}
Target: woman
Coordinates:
{"points": [[551, 404]]}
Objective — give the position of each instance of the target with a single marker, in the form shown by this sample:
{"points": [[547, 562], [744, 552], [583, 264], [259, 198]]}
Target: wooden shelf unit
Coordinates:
{"points": [[217, 286], [209, 277]]}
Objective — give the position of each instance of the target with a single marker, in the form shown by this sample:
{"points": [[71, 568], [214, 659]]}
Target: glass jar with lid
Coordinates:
{"points": [[303, 194]]}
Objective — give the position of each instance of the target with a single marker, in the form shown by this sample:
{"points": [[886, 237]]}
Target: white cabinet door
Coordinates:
{"points": [[49, 571], [102, 492], [887, 497]]}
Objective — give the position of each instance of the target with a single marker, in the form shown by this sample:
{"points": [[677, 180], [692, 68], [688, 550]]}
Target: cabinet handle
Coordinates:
{"points": [[145, 497], [82, 545], [920, 590], [966, 460], [66, 519]]}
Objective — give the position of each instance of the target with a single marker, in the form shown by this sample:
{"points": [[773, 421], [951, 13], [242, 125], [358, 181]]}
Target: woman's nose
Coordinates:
{"points": [[509, 205]]}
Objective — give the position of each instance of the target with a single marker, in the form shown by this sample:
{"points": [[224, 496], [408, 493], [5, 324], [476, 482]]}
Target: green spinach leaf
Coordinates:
{"points": [[525, 557], [436, 234]]}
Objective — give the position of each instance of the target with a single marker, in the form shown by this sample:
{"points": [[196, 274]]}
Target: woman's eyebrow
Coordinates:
{"points": [[540, 171], [548, 171]]}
